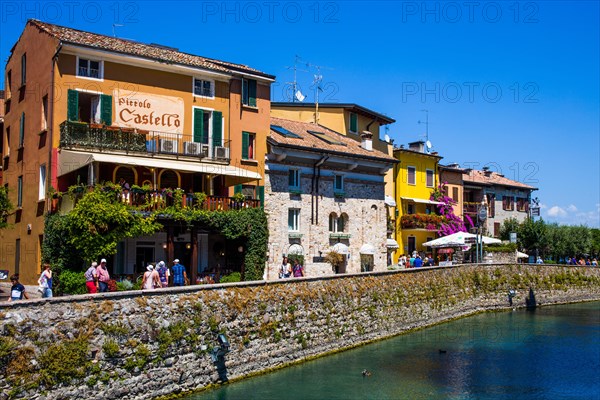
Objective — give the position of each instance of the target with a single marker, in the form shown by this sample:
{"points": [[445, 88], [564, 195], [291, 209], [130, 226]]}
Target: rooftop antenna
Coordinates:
{"points": [[296, 94], [114, 26], [318, 78], [426, 122]]}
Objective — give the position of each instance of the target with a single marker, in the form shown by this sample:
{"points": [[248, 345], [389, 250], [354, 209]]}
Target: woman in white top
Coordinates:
{"points": [[150, 280]]}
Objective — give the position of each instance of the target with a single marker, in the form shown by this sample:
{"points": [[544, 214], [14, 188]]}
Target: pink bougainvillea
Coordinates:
{"points": [[453, 223]]}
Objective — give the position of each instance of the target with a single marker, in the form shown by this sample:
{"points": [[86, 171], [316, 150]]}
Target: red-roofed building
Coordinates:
{"points": [[88, 108], [325, 192]]}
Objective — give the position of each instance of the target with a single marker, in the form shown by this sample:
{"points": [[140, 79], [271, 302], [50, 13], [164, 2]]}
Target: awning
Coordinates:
{"points": [[423, 201], [458, 240], [391, 244], [340, 248], [72, 160], [446, 251], [389, 201], [522, 255], [367, 248]]}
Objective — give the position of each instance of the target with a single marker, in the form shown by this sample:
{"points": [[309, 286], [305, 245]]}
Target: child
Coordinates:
{"points": [[17, 291]]}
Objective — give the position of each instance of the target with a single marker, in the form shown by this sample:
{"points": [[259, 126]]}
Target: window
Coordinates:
{"points": [[89, 107], [455, 194], [294, 219], [353, 123], [45, 113], [429, 178], [23, 69], [22, 130], [248, 146], [338, 183], [208, 127], [42, 190], [20, 191], [249, 92], [410, 209], [336, 224], [249, 191], [8, 84], [89, 68], [7, 142], [508, 203], [412, 175], [522, 204], [204, 88], [294, 179]]}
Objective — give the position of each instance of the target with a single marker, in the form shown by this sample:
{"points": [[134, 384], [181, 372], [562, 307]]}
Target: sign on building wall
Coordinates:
{"points": [[148, 111]]}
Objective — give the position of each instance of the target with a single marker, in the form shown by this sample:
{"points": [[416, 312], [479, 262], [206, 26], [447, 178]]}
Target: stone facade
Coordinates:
{"points": [[498, 196], [362, 208], [146, 344]]}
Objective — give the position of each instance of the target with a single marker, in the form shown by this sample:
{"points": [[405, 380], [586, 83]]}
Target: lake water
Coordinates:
{"points": [[550, 353]]}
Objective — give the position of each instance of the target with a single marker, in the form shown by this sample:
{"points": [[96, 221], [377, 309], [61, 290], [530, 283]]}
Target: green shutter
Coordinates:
{"points": [[261, 195], [73, 105], [353, 122], [244, 91], [245, 145], [198, 125], [237, 189], [252, 93], [217, 128], [106, 109]]}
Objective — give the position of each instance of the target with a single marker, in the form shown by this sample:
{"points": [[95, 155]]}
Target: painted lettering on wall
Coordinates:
{"points": [[148, 111]]}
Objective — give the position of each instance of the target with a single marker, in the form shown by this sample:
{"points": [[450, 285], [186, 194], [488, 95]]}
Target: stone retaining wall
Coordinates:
{"points": [[157, 343]]}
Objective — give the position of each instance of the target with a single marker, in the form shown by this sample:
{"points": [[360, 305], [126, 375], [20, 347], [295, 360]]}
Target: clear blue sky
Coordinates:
{"points": [[511, 85]]}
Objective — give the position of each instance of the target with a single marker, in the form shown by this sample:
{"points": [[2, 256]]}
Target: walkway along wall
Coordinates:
{"points": [[148, 344]]}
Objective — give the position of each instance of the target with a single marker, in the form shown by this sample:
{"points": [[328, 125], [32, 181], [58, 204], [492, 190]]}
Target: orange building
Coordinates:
{"points": [[84, 108]]}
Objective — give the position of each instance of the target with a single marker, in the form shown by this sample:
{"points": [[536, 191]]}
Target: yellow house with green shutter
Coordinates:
{"points": [[416, 176]]}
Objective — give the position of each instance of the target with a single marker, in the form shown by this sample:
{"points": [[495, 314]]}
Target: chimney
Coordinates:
{"points": [[366, 140], [417, 146], [486, 171]]}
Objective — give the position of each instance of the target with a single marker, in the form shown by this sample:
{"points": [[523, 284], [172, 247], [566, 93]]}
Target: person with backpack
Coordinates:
{"points": [[91, 278], [163, 274]]}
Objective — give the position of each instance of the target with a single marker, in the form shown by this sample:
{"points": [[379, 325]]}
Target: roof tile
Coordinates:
{"points": [[493, 178]]}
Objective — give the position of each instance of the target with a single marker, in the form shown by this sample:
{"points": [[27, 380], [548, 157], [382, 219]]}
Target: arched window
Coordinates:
{"points": [[129, 174], [169, 179], [333, 222], [343, 223], [374, 213]]}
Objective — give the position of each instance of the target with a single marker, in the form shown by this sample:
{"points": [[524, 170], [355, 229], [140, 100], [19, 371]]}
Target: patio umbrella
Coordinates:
{"points": [[458, 239], [522, 255]]}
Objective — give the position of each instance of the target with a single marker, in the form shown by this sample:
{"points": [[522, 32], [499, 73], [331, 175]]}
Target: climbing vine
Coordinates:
{"points": [[453, 223], [5, 206]]}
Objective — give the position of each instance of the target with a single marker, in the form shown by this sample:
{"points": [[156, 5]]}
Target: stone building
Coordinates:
{"points": [[325, 192], [504, 198]]}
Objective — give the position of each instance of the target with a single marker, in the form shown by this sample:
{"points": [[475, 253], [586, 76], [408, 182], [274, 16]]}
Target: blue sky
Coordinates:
{"points": [[511, 85]]}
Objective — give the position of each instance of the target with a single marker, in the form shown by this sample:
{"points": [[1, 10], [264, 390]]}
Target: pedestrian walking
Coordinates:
{"points": [[45, 281], [17, 290], [179, 274], [103, 276], [91, 278]]}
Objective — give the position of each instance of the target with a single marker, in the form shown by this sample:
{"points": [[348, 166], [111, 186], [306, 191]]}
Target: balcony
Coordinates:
{"points": [[430, 222], [471, 207], [102, 138], [152, 200]]}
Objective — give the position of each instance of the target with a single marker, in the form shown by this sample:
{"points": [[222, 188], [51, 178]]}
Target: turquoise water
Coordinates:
{"points": [[550, 353]]}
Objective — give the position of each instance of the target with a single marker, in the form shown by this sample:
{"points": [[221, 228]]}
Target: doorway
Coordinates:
{"points": [[143, 257]]}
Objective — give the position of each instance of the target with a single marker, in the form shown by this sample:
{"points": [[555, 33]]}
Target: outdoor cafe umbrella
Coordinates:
{"points": [[458, 239]]}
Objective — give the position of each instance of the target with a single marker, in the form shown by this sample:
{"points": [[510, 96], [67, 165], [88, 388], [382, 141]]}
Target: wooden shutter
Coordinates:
{"points": [[261, 195], [72, 105], [237, 189], [245, 144], [217, 128], [22, 130], [106, 109], [198, 125], [244, 91], [252, 93], [353, 122]]}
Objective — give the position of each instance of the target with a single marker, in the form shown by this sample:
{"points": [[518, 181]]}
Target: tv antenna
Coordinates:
{"points": [[426, 123], [318, 78], [114, 26], [296, 95]]}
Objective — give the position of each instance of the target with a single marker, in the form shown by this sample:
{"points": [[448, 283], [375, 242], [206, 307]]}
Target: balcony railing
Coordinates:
{"points": [[431, 222], [158, 200], [98, 137]]}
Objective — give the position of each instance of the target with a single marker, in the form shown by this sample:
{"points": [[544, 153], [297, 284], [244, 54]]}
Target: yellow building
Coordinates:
{"points": [[416, 177]]}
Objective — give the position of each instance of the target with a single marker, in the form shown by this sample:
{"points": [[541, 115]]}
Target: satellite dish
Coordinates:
{"points": [[386, 138], [428, 144]]}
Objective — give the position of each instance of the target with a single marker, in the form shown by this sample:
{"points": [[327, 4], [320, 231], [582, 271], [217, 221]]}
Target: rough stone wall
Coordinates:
{"points": [[363, 207], [140, 345]]}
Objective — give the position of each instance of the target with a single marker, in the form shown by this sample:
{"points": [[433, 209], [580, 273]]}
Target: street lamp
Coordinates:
{"points": [[481, 217]]}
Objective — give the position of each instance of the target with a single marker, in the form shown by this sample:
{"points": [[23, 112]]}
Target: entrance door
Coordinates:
{"points": [[143, 257], [412, 244]]}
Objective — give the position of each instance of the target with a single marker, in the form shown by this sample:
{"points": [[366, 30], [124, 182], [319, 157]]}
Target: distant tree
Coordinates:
{"points": [[533, 235], [509, 225], [595, 245]]}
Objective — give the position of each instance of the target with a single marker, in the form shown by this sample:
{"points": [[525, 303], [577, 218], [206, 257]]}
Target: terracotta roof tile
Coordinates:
{"points": [[493, 178], [108, 43], [351, 147]]}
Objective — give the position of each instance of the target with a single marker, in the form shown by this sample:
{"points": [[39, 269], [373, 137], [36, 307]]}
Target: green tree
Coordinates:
{"points": [[6, 206], [509, 225], [595, 245], [532, 235]]}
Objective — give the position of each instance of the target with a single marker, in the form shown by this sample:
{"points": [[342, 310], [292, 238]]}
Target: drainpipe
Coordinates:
{"points": [[52, 168], [318, 166]]}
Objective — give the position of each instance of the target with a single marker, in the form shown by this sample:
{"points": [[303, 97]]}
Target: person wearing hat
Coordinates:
{"points": [[150, 280], [163, 273], [103, 276], [179, 275]]}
